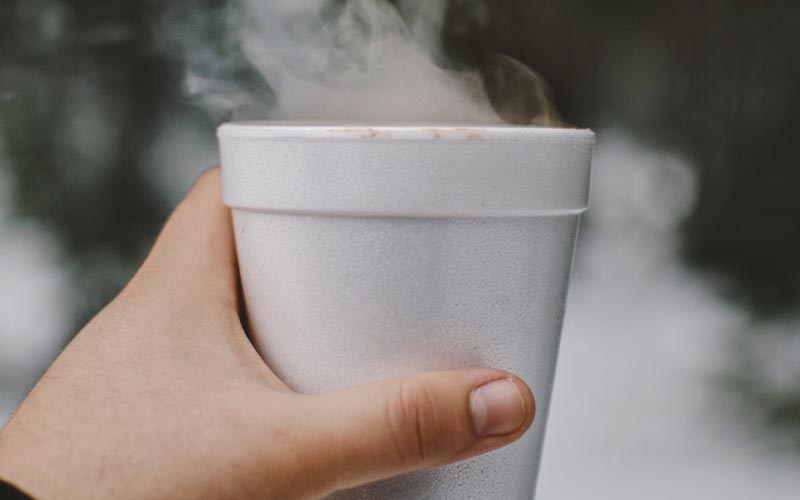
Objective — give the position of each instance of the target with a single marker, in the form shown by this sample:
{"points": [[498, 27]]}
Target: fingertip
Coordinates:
{"points": [[502, 406], [528, 401]]}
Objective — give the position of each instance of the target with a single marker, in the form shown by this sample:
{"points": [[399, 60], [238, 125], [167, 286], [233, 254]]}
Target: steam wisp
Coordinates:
{"points": [[370, 61]]}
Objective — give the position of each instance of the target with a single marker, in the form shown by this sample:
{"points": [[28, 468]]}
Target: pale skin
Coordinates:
{"points": [[162, 396]]}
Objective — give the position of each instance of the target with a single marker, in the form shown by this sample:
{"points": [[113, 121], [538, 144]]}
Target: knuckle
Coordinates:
{"points": [[207, 181], [415, 422], [209, 176]]}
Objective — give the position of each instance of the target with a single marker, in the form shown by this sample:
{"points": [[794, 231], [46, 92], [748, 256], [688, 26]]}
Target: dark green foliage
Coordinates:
{"points": [[65, 64]]}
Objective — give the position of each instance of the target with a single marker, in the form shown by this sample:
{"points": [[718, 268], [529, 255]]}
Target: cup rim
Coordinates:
{"points": [[343, 130], [405, 171]]}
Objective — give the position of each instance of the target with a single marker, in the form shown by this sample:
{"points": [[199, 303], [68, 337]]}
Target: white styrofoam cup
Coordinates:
{"points": [[372, 252]]}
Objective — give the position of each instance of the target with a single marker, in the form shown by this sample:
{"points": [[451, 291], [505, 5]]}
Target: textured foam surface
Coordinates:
{"points": [[337, 301]]}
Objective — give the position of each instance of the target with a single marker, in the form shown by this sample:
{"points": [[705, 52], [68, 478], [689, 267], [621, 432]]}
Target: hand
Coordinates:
{"points": [[162, 396]]}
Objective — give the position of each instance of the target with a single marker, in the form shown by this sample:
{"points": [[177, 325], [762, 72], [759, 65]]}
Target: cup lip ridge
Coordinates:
{"points": [[431, 131]]}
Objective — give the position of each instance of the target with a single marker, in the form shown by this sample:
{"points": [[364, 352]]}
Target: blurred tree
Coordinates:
{"points": [[736, 89], [81, 93], [717, 80]]}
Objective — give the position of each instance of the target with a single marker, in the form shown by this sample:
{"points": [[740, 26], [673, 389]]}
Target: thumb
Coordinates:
{"points": [[381, 430]]}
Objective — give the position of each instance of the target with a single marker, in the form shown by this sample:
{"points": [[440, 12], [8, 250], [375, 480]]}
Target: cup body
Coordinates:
{"points": [[369, 253]]}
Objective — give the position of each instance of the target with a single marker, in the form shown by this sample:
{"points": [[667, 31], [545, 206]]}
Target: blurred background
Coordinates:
{"points": [[679, 374]]}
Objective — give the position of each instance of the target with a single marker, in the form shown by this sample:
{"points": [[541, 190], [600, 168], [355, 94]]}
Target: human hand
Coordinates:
{"points": [[162, 396]]}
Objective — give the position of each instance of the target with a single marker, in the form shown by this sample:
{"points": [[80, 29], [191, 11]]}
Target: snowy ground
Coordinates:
{"points": [[33, 303], [637, 413]]}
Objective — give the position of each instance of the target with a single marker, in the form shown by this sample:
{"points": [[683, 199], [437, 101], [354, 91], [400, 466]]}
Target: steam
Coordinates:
{"points": [[345, 60]]}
